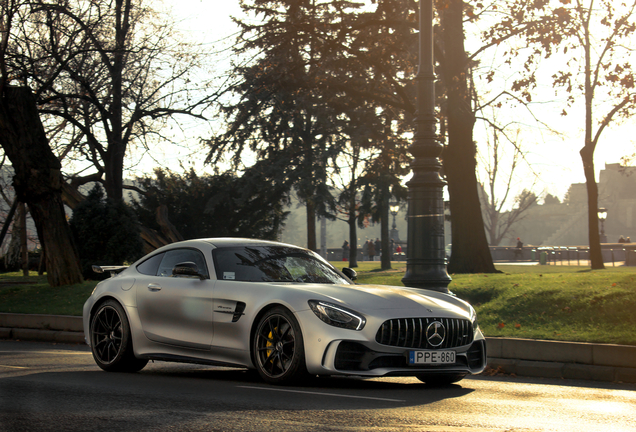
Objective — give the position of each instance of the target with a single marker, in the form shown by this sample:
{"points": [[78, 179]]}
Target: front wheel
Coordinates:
{"points": [[279, 354], [111, 341]]}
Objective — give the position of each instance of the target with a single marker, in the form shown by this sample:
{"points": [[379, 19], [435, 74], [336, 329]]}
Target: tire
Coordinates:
{"points": [[111, 342], [441, 380], [278, 350]]}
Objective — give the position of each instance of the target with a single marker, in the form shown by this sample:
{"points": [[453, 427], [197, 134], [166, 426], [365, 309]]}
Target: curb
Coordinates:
{"points": [[522, 357], [568, 360], [45, 328]]}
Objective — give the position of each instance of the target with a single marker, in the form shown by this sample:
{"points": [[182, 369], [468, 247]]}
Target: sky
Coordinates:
{"points": [[554, 158]]}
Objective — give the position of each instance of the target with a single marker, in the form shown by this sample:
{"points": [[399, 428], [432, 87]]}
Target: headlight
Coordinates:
{"points": [[337, 316], [473, 318]]}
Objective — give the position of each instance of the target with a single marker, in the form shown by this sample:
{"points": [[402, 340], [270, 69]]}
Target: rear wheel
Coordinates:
{"points": [[111, 342], [440, 380], [279, 354]]}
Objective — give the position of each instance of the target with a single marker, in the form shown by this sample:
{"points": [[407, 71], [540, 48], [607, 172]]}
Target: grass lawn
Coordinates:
{"points": [[535, 302], [568, 303], [33, 295]]}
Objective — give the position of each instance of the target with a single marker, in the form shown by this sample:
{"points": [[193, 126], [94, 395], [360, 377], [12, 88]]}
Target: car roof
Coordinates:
{"points": [[228, 242]]}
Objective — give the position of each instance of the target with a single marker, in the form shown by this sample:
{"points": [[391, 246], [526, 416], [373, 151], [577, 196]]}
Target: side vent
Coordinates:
{"points": [[238, 312]]}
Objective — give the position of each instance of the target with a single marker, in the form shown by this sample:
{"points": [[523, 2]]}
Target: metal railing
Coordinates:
{"points": [[564, 255]]}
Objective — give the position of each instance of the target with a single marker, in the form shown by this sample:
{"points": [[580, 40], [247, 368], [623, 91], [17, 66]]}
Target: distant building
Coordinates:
{"points": [[565, 224]]}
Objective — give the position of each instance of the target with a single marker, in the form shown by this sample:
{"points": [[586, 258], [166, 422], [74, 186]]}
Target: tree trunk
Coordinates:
{"points": [[12, 256], [24, 251], [596, 255], [38, 182], [311, 225], [114, 161], [385, 258], [470, 251], [353, 242], [167, 228], [113, 168], [352, 222], [42, 263], [8, 220], [587, 156]]}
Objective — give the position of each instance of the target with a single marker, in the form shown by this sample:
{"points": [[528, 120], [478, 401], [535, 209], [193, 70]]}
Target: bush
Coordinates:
{"points": [[106, 232], [222, 205]]}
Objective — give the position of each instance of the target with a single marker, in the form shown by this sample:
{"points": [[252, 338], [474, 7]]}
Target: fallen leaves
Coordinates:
{"points": [[498, 371]]}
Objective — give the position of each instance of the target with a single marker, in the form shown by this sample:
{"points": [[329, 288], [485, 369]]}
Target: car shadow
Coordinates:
{"points": [[172, 398], [406, 390]]}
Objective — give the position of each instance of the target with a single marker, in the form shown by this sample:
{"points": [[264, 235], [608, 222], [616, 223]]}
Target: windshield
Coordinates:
{"points": [[273, 264]]}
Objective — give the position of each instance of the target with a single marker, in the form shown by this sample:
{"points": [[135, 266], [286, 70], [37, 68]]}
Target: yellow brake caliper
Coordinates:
{"points": [[269, 343]]}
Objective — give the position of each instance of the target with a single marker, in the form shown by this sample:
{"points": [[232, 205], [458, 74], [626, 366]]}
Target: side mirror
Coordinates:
{"points": [[350, 273], [187, 268]]}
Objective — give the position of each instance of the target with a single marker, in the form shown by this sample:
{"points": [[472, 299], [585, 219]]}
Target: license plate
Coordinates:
{"points": [[431, 357]]}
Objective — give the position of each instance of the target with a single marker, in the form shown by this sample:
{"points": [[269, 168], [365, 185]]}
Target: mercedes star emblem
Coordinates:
{"points": [[435, 333]]}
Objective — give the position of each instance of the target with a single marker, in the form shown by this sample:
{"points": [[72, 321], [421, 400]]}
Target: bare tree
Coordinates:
{"points": [[499, 186], [594, 39], [107, 75], [37, 172]]}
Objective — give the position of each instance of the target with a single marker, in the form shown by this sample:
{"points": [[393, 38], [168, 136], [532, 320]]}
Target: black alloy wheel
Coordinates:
{"points": [[111, 342], [278, 347]]}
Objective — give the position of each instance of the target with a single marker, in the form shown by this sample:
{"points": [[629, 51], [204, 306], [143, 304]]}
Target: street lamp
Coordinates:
{"points": [[602, 215], [394, 208], [426, 258]]}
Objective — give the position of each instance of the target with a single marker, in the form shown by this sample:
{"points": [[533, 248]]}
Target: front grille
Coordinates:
{"points": [[411, 333]]}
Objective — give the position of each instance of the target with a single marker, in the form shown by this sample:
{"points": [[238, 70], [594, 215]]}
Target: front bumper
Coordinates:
{"points": [[358, 359], [333, 351]]}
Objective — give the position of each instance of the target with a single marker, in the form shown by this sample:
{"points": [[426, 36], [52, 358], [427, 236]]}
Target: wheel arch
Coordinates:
{"points": [[257, 319], [103, 299]]}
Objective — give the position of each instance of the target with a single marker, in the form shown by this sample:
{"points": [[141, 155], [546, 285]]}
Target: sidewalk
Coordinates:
{"points": [[523, 357]]}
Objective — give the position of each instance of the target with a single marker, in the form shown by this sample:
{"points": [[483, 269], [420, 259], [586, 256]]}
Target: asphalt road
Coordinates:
{"points": [[48, 387]]}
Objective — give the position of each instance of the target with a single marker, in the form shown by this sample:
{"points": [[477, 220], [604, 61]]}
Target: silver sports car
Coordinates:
{"points": [[279, 309]]}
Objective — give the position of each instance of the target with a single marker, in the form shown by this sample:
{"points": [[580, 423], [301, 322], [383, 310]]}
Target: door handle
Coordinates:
{"points": [[154, 287]]}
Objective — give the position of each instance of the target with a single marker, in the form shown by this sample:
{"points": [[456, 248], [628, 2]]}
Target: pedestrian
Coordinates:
{"points": [[378, 247], [519, 248], [398, 250], [371, 250], [345, 251], [365, 250]]}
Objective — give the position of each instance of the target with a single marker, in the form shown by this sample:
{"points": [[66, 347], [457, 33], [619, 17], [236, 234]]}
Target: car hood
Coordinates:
{"points": [[378, 297]]}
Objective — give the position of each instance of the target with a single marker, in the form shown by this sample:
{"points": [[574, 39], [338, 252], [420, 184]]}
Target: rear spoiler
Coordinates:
{"points": [[112, 269]]}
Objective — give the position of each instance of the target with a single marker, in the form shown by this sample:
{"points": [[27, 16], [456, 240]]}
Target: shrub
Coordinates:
{"points": [[106, 232]]}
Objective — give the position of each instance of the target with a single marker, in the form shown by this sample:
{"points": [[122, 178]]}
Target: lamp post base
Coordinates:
{"points": [[434, 277]]}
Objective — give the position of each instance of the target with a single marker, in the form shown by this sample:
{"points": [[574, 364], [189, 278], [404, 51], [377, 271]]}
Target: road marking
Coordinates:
{"points": [[48, 352], [14, 367], [322, 394]]}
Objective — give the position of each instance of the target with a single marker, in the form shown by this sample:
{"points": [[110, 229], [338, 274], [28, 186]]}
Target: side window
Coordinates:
{"points": [[176, 256], [150, 266]]}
